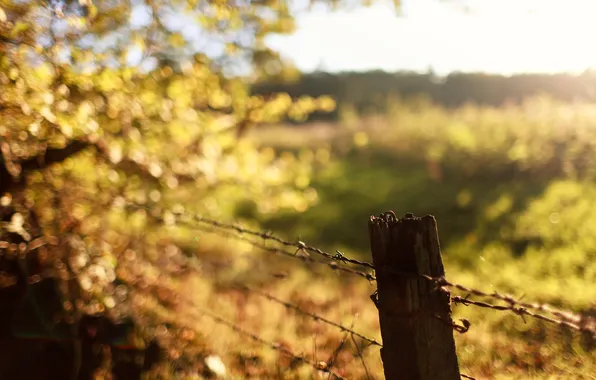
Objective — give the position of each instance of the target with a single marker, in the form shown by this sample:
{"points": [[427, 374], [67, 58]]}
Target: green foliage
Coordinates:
{"points": [[539, 137], [465, 166], [515, 223], [86, 129], [84, 133], [366, 92]]}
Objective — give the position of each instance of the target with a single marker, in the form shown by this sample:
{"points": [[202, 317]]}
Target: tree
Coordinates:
{"points": [[116, 119]]}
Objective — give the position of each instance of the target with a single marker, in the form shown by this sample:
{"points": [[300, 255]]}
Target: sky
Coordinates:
{"points": [[494, 36]]}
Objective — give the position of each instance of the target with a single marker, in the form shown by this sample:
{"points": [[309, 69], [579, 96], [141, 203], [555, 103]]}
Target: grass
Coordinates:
{"points": [[517, 223]]}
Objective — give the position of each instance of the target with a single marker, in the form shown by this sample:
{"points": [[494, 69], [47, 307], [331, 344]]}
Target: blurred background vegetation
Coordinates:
{"points": [[121, 120]]}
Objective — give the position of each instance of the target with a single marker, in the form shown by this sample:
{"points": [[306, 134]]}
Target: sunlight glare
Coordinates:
{"points": [[509, 36]]}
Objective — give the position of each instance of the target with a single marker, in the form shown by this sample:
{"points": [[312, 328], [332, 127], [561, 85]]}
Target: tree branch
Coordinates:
{"points": [[53, 155], [9, 183]]}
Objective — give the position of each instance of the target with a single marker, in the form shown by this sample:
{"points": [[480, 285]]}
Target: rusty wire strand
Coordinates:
{"points": [[522, 311], [274, 346], [308, 314], [564, 317], [304, 258], [300, 245], [462, 329]]}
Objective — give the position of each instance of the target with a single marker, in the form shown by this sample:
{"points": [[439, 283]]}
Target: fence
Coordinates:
{"points": [[413, 297]]}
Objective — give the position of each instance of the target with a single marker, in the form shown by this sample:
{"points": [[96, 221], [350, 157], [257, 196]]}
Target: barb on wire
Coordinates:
{"points": [[333, 265], [522, 311], [566, 316], [304, 258], [463, 328], [275, 346], [308, 314], [300, 245], [562, 315], [562, 318]]}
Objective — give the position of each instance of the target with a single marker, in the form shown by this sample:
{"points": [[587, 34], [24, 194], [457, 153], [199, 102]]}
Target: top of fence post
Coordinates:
{"points": [[415, 315]]}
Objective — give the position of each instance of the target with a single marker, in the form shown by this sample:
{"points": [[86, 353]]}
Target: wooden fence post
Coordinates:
{"points": [[414, 315]]}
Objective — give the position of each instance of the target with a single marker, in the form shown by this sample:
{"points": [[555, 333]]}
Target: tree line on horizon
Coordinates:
{"points": [[368, 92]]}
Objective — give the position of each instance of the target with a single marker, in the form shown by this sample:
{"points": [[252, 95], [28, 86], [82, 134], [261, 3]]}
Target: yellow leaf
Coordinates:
{"points": [[223, 12], [177, 40], [18, 28]]}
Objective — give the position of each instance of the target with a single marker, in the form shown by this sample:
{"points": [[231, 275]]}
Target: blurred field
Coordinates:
{"points": [[122, 131], [513, 191]]}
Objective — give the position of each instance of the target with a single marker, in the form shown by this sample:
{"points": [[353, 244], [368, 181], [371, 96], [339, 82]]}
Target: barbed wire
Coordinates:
{"points": [[300, 245], [371, 342], [521, 311], [564, 317], [561, 317], [321, 366], [313, 316], [293, 255], [267, 236], [462, 329]]}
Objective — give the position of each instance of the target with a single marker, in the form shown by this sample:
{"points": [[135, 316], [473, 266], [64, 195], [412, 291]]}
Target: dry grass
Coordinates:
{"points": [[483, 216]]}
